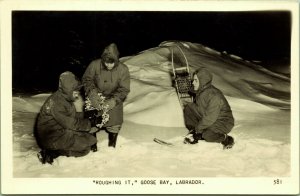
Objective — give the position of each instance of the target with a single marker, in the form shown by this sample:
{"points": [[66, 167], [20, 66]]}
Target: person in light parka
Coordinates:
{"points": [[108, 76]]}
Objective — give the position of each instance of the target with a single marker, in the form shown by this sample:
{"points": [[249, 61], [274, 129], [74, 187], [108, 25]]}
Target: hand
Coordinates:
{"points": [[111, 103], [90, 113], [95, 120], [79, 103], [93, 130], [94, 98], [192, 138]]}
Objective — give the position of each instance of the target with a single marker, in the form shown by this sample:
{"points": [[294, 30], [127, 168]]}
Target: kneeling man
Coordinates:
{"points": [[60, 129], [210, 117]]}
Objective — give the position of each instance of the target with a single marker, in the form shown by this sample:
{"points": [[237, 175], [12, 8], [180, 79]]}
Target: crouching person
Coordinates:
{"points": [[60, 129], [210, 117]]}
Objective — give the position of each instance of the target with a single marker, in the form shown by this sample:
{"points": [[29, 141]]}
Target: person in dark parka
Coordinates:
{"points": [[209, 117], [110, 77], [60, 130]]}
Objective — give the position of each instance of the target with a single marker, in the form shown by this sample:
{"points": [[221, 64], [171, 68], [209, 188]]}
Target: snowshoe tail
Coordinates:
{"points": [[162, 142]]}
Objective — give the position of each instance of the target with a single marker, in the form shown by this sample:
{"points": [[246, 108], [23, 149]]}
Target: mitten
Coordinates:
{"points": [[111, 103], [93, 130], [95, 99]]}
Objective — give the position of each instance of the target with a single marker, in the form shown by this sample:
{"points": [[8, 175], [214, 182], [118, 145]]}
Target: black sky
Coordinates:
{"points": [[43, 41]]}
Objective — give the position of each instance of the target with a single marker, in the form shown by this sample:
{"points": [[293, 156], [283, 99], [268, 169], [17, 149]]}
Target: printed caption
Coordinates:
{"points": [[149, 182]]}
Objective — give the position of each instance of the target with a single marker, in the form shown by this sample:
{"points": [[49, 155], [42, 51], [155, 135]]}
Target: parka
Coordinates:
{"points": [[211, 105], [113, 83], [58, 122]]}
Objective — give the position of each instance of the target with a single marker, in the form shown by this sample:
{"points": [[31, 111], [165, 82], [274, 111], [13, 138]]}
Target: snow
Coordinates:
{"points": [[262, 129]]}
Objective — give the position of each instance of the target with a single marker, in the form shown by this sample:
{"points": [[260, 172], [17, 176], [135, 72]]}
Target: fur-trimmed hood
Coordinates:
{"points": [[68, 83], [111, 52], [204, 77]]}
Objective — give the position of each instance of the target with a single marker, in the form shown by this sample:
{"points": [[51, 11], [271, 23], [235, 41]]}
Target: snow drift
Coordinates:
{"points": [[259, 99], [235, 76]]}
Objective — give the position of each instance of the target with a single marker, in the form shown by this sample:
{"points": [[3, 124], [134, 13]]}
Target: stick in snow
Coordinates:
{"points": [[162, 142]]}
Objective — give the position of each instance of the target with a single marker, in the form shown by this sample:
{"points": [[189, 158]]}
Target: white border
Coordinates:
{"points": [[216, 185]]}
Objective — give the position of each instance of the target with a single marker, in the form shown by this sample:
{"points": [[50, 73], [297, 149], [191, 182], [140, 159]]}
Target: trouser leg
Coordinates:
{"points": [[210, 136], [72, 153], [82, 143], [191, 117], [113, 132], [94, 147]]}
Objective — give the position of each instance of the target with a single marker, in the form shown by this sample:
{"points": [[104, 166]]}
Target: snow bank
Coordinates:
{"points": [[157, 109], [29, 104]]}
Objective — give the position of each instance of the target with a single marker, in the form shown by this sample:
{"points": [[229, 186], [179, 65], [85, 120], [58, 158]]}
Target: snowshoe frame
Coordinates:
{"points": [[182, 79]]}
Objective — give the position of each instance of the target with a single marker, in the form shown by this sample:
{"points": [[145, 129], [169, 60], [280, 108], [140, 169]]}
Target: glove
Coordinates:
{"points": [[95, 120], [189, 139], [90, 113], [192, 138], [94, 98], [111, 103], [93, 130]]}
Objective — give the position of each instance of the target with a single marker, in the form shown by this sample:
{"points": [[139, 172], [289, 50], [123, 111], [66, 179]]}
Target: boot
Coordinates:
{"points": [[47, 156], [94, 147], [189, 141], [112, 139], [228, 142]]}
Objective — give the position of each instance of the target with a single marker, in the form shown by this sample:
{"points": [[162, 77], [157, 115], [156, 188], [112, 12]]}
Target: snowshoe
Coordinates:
{"points": [[182, 77], [228, 142]]}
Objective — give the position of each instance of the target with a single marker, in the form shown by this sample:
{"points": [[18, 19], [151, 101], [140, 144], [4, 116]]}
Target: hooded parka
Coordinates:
{"points": [[113, 84], [59, 126], [210, 110]]}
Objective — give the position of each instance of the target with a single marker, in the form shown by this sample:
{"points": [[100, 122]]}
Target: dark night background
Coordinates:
{"points": [[47, 43]]}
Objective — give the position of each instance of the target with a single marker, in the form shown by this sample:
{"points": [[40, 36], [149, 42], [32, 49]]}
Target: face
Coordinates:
{"points": [[109, 66], [76, 94], [196, 82]]}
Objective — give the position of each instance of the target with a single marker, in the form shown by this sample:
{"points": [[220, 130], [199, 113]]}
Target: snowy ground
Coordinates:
{"points": [[262, 149], [262, 134]]}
